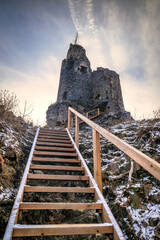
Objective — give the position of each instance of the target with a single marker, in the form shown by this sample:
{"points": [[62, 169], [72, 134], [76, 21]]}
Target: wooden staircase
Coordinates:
{"points": [[55, 151]]}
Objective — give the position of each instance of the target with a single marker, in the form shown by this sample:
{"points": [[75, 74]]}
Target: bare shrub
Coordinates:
{"points": [[8, 102], [156, 113]]}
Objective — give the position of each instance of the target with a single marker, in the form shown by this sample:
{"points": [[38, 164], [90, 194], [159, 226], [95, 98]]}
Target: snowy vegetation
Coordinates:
{"points": [[137, 208]]}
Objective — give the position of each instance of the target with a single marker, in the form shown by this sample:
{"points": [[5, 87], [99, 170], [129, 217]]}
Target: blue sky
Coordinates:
{"points": [[122, 35]]}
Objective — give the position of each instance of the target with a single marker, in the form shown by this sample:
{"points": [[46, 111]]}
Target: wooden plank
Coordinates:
{"points": [[54, 144], [14, 214], [55, 137], [53, 134], [107, 215], [55, 154], [58, 177], [57, 168], [55, 149], [53, 141], [57, 160], [46, 205], [146, 162], [97, 159], [52, 130], [58, 189], [61, 229], [77, 131], [69, 120]]}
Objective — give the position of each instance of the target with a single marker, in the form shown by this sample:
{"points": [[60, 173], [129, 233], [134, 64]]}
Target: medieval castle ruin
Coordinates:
{"points": [[85, 90]]}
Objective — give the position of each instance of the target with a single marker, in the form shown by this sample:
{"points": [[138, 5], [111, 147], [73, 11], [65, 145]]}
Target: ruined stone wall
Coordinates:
{"points": [[107, 90], [85, 90], [75, 80]]}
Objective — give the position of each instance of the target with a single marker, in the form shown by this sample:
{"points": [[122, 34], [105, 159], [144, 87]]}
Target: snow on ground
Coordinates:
{"points": [[142, 200]]}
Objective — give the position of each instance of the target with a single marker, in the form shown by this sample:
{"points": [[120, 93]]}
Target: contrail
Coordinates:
{"points": [[90, 15], [82, 15]]}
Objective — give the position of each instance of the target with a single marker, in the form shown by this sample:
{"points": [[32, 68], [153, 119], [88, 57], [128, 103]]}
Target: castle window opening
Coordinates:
{"points": [[64, 95], [98, 97], [83, 69]]}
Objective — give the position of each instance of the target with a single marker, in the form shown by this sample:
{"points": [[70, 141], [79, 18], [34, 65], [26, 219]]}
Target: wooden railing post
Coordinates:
{"points": [[97, 159], [69, 120], [77, 131], [98, 112]]}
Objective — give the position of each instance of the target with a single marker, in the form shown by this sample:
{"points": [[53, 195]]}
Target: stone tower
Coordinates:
{"points": [[75, 78], [85, 90]]}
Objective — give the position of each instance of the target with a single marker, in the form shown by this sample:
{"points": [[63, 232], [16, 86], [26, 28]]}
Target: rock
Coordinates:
{"points": [[153, 221], [156, 197], [114, 168], [157, 231]]}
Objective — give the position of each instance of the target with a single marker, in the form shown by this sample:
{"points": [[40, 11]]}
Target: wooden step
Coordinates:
{"points": [[53, 141], [56, 160], [56, 137], [52, 130], [53, 134], [55, 154], [54, 144], [57, 168], [61, 229], [57, 177], [55, 149], [46, 205], [58, 189]]}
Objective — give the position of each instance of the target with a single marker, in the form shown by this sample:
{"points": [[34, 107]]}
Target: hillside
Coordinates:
{"points": [[137, 208], [15, 143]]}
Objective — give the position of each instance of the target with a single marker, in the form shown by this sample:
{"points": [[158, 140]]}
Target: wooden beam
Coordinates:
{"points": [[77, 131], [53, 140], [57, 177], [46, 205], [58, 189], [52, 130], [54, 144], [97, 159], [54, 149], [53, 137], [62, 154], [107, 215], [57, 168], [61, 229], [56, 160], [146, 162], [53, 134], [69, 120]]}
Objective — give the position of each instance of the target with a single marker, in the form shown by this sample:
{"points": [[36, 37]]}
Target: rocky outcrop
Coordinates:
{"points": [[85, 90], [16, 137]]}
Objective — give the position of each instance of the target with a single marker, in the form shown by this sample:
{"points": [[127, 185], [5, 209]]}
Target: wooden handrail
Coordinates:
{"points": [[143, 160], [87, 115]]}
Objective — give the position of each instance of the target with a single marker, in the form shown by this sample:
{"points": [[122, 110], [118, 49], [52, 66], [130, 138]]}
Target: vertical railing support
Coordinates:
{"points": [[69, 120], [97, 159], [77, 131], [98, 112]]}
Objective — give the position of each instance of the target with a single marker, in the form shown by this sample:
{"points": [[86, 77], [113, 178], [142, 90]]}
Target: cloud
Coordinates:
{"points": [[124, 36], [38, 88]]}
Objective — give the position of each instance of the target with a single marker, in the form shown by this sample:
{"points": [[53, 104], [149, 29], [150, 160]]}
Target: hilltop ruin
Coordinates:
{"points": [[85, 90]]}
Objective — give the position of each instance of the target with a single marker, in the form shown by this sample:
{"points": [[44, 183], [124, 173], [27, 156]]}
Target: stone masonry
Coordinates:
{"points": [[85, 90]]}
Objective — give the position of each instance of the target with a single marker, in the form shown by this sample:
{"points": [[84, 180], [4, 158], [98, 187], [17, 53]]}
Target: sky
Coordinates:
{"points": [[121, 35]]}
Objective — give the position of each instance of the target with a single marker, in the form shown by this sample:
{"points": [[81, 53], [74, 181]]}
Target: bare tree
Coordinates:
{"points": [[26, 111], [8, 102], [156, 113]]}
